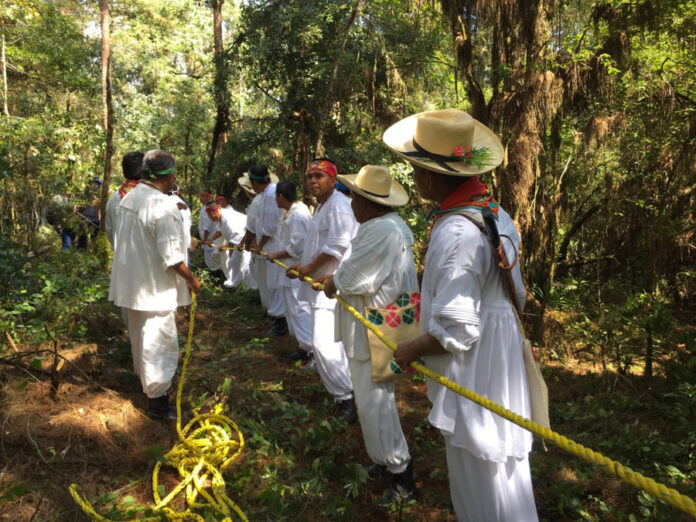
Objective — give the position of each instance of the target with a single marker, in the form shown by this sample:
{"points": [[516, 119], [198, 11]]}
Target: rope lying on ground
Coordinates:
{"points": [[206, 448], [656, 489]]}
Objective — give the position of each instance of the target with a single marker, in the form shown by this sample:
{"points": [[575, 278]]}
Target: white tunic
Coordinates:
{"points": [[464, 306], [149, 241], [293, 232], [232, 225], [268, 218], [209, 253], [185, 221], [110, 217], [332, 228], [379, 269]]}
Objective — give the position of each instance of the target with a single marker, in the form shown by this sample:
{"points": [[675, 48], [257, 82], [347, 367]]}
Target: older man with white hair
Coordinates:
{"points": [[150, 278]]}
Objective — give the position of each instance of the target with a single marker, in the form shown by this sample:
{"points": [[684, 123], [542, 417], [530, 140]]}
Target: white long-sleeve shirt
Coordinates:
{"points": [[332, 228], [149, 240], [465, 307], [379, 269], [293, 233]]}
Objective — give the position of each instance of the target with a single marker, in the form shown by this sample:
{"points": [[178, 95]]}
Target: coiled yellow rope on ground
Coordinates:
{"points": [[206, 448], [656, 489]]}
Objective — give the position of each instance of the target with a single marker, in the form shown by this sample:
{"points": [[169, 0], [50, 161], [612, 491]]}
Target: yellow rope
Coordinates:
{"points": [[656, 489], [206, 448]]}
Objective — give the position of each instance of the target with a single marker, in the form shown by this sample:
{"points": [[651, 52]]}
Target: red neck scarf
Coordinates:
{"points": [[470, 194], [127, 186]]}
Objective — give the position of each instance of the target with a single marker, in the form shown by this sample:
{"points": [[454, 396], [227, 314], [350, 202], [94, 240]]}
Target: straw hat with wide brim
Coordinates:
{"points": [[245, 182], [376, 184], [447, 141]]}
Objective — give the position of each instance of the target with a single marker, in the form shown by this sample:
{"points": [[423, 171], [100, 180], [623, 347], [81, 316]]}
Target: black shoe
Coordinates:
{"points": [[159, 409], [280, 327], [299, 355], [348, 411], [376, 470], [402, 490]]}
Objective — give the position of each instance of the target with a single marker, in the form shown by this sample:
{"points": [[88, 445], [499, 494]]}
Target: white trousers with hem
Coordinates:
{"points": [[237, 267], [273, 289], [298, 314], [155, 349], [379, 418], [331, 358], [483, 490]]}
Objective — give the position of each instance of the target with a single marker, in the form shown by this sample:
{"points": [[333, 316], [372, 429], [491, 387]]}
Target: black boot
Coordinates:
{"points": [[402, 490], [280, 327], [299, 355], [159, 409], [376, 470], [348, 411]]}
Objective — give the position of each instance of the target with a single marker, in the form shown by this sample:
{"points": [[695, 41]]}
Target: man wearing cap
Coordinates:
{"points": [[470, 333], [131, 165], [293, 232], [266, 232], [379, 269], [148, 236], [327, 244]]}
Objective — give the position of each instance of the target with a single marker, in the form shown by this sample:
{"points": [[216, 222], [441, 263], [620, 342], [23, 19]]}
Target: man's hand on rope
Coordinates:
{"points": [[329, 287]]}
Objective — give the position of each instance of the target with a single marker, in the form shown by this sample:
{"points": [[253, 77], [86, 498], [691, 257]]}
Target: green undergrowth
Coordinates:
{"points": [[301, 461]]}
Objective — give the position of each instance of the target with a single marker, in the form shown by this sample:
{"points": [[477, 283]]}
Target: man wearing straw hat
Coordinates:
{"points": [[469, 330], [379, 269], [328, 243], [149, 237], [250, 211]]}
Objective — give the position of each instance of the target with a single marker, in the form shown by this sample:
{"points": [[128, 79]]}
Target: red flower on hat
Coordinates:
{"points": [[463, 152]]}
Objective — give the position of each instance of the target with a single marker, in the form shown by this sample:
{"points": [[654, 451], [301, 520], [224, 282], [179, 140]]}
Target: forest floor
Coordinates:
{"points": [[300, 461]]}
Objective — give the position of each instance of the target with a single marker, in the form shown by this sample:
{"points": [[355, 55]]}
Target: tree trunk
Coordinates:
{"points": [[107, 106], [4, 68], [324, 109], [220, 87]]}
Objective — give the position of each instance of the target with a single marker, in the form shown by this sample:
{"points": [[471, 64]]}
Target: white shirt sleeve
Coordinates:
{"points": [[456, 304], [299, 228], [168, 236], [373, 257], [271, 216], [341, 228]]}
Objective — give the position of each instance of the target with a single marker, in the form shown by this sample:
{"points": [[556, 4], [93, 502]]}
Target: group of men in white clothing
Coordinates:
{"points": [[358, 247]]}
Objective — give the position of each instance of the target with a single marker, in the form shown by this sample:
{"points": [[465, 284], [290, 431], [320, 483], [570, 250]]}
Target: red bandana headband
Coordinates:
{"points": [[221, 199], [323, 166]]}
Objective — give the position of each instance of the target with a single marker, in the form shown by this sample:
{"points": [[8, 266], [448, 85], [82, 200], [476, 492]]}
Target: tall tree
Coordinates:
{"points": [[323, 115], [107, 105], [219, 85], [4, 66]]}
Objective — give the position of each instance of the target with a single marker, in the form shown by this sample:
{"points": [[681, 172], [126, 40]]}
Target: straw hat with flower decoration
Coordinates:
{"points": [[447, 141]]}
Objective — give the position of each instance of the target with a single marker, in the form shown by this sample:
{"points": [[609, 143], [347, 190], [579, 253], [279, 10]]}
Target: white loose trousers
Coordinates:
{"points": [[274, 273], [331, 358], [483, 490], [155, 349], [379, 418], [298, 315]]}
